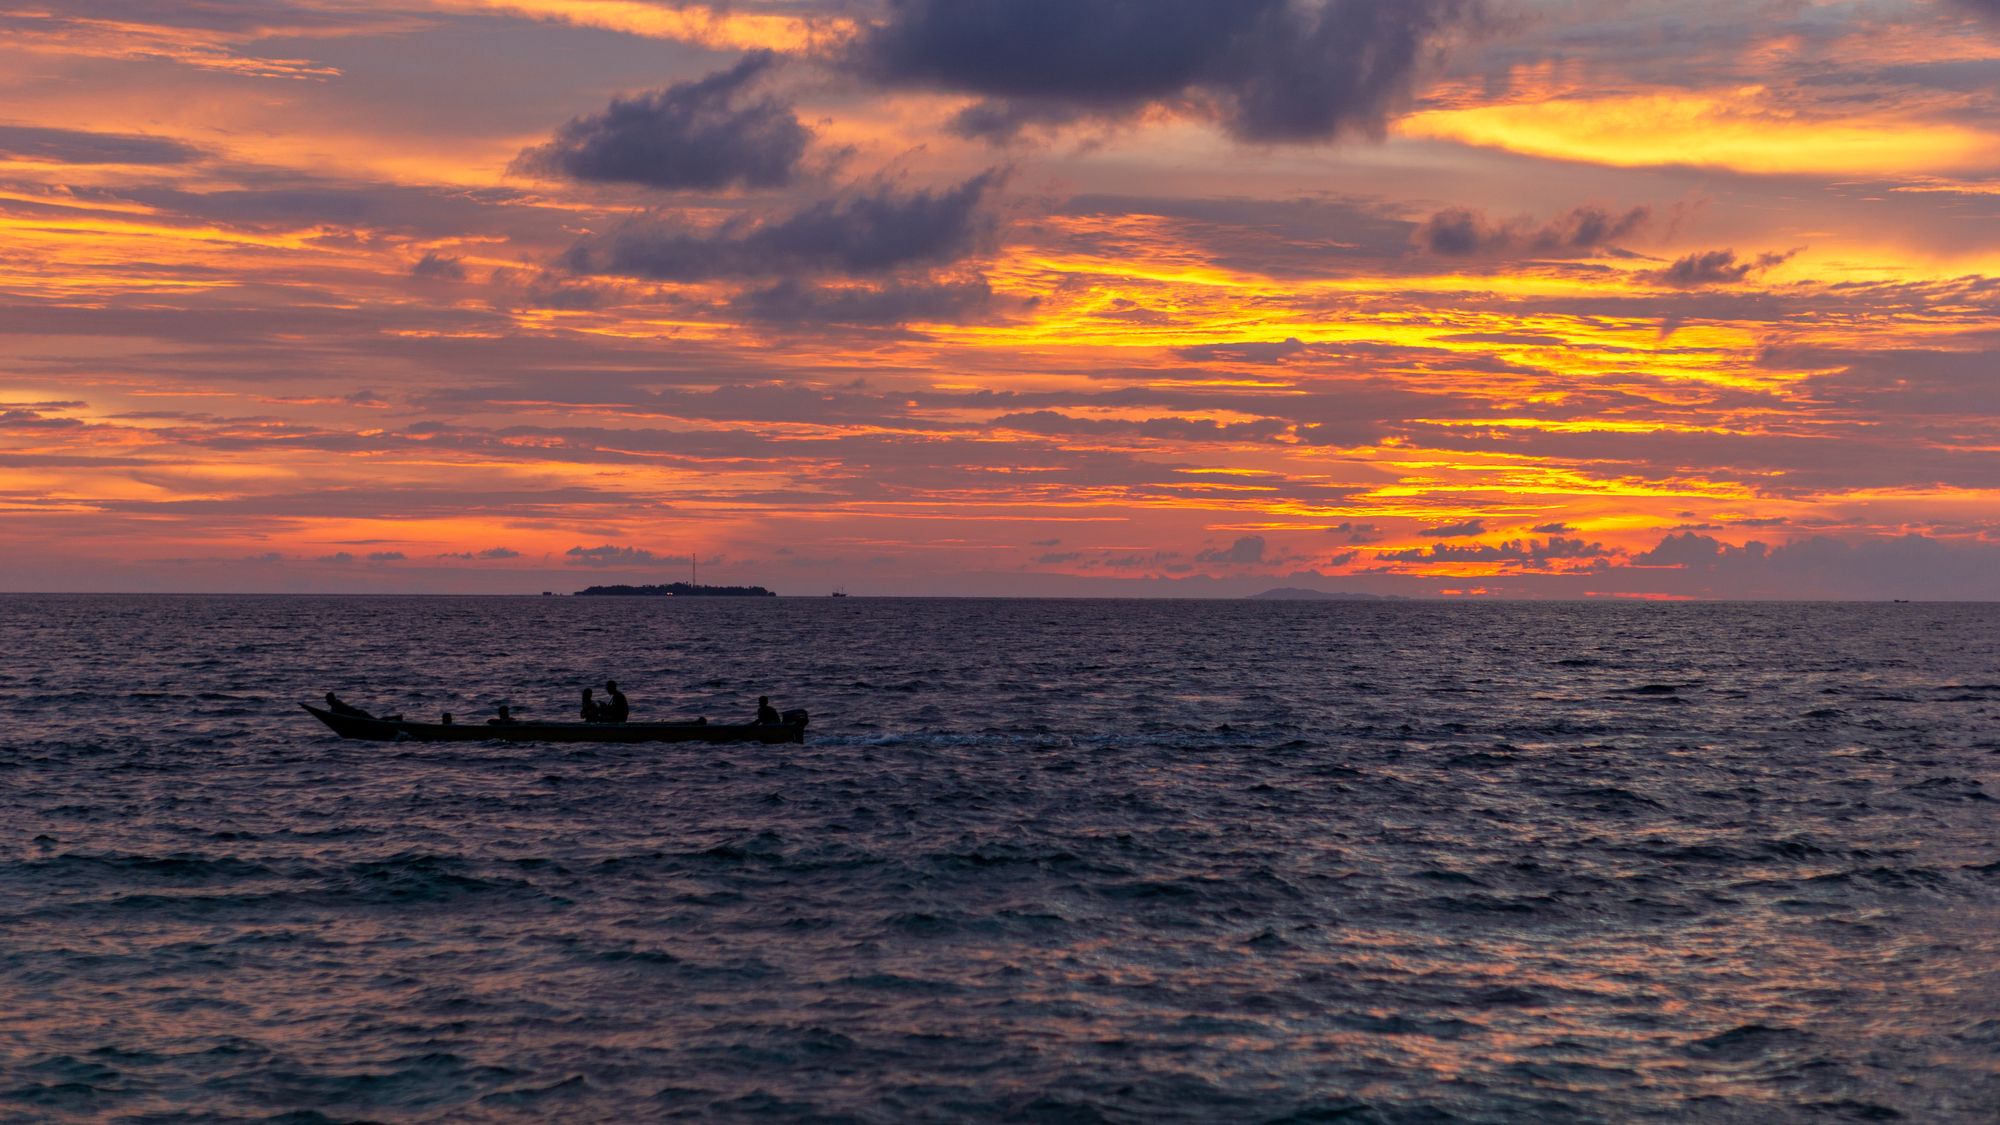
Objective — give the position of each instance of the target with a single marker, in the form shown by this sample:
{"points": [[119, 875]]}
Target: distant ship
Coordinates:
{"points": [[841, 592], [676, 590]]}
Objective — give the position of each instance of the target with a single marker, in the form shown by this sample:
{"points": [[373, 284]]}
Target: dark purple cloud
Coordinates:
{"points": [[1457, 530], [406, 502], [1280, 238], [608, 555], [1266, 70], [1686, 549], [1056, 424], [870, 232], [547, 289], [1458, 232], [795, 302], [1245, 351], [239, 16], [1247, 551], [378, 207], [1529, 553], [434, 266], [1715, 267], [1822, 567], [1900, 382], [12, 419], [71, 146], [702, 135]]}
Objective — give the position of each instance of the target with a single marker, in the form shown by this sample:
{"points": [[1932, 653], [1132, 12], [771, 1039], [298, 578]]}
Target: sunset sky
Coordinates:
{"points": [[1543, 298]]}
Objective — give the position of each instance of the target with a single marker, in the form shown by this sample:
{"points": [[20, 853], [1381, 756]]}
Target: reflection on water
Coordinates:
{"points": [[1046, 861]]}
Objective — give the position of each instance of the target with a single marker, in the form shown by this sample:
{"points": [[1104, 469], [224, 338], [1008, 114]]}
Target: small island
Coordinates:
{"points": [[676, 590]]}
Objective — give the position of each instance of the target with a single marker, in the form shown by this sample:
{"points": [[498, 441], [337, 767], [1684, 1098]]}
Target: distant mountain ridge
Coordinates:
{"points": [[676, 590], [1301, 594]]}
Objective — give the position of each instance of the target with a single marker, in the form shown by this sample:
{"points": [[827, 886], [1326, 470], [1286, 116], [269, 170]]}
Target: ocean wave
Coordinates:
{"points": [[1072, 861]]}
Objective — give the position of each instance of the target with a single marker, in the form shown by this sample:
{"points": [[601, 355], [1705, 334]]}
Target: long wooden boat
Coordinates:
{"points": [[793, 729]]}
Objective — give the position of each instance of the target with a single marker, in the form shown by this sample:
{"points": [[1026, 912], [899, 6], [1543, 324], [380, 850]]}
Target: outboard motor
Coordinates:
{"points": [[796, 718]]}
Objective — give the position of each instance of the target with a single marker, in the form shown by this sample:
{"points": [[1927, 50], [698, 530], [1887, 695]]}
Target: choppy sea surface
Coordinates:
{"points": [[1037, 861]]}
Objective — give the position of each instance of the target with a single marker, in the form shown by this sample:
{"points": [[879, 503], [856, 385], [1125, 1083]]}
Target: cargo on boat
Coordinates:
{"points": [[792, 729]]}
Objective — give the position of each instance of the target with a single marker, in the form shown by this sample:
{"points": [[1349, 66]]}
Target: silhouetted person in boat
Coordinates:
{"points": [[767, 715], [339, 707], [503, 717], [592, 713], [614, 709], [447, 718]]}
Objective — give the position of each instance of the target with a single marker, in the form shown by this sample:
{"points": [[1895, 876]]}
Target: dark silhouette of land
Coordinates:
{"points": [[677, 590]]}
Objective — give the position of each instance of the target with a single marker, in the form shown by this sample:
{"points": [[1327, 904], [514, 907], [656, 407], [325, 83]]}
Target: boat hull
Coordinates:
{"points": [[399, 730]]}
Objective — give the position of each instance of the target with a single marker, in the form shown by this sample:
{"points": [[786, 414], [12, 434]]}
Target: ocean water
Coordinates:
{"points": [[1037, 861]]}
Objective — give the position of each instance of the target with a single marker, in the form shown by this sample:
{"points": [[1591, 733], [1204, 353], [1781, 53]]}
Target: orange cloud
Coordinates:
{"points": [[716, 28], [1742, 130]]}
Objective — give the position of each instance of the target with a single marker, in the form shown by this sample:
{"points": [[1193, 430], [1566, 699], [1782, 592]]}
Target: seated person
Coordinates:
{"points": [[615, 709], [503, 717], [592, 713], [447, 718], [767, 715]]}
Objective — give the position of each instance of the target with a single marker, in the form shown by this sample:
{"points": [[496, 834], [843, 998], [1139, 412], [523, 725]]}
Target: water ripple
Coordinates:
{"points": [[1092, 861]]}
